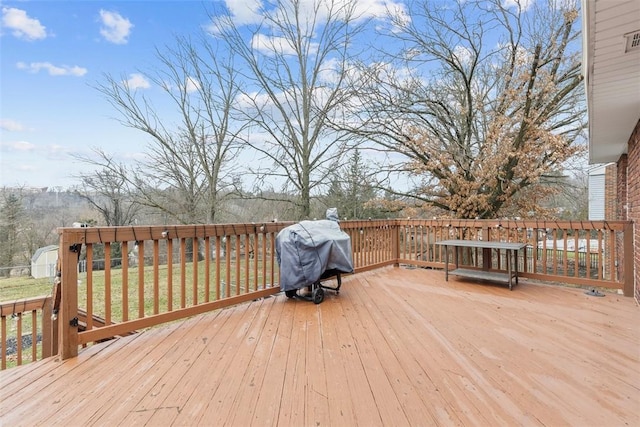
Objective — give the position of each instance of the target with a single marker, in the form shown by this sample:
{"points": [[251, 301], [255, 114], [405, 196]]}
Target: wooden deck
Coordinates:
{"points": [[396, 347]]}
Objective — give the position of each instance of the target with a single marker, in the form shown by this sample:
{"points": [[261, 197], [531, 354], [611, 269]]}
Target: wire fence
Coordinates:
{"points": [[16, 271]]}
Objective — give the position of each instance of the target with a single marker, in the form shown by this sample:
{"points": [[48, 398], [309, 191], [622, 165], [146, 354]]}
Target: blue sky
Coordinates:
{"points": [[53, 53]]}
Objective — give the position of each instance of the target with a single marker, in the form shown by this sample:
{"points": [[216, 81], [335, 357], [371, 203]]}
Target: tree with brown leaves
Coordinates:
{"points": [[483, 102]]}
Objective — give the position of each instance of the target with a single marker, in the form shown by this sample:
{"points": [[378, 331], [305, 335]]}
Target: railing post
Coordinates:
{"points": [[68, 312], [47, 329], [628, 260], [395, 243]]}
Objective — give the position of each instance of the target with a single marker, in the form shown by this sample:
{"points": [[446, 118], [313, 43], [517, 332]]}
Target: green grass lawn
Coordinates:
{"points": [[13, 288], [155, 299], [17, 288]]}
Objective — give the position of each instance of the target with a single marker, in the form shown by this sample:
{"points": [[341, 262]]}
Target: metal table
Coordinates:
{"points": [[510, 247]]}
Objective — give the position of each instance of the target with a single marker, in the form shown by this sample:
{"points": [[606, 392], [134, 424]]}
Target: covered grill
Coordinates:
{"points": [[311, 251]]}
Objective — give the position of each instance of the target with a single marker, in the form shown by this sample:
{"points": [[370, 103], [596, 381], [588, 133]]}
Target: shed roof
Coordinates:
{"points": [[42, 250]]}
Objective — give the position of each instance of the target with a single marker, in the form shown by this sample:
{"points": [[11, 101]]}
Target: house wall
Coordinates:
{"points": [[621, 187], [631, 204], [611, 214], [597, 194], [610, 192]]}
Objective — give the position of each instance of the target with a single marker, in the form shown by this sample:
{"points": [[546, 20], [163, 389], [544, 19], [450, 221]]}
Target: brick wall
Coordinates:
{"points": [[610, 192], [620, 206], [633, 200], [621, 181], [611, 214]]}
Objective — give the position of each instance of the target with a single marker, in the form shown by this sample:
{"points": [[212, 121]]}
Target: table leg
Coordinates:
{"points": [[446, 263], [515, 260], [456, 256], [509, 267]]}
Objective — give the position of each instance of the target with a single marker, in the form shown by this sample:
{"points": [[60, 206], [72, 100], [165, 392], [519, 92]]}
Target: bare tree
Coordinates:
{"points": [[296, 62], [108, 191], [186, 173], [481, 106]]}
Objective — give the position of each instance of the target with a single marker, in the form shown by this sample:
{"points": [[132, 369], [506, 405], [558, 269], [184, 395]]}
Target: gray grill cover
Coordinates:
{"points": [[309, 248]]}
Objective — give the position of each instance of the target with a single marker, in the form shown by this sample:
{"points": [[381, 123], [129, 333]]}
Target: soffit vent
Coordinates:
{"points": [[632, 41]]}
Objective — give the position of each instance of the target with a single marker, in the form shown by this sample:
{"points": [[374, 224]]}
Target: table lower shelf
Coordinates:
{"points": [[483, 275]]}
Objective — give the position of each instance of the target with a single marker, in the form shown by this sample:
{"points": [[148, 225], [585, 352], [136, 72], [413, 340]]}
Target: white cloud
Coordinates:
{"points": [[364, 9], [272, 45], [330, 71], [524, 4], [192, 85], [249, 101], [463, 54], [242, 12], [137, 81], [22, 25], [56, 152], [48, 151], [10, 125], [14, 146], [27, 168], [53, 70], [381, 9], [136, 156], [115, 28], [245, 12]]}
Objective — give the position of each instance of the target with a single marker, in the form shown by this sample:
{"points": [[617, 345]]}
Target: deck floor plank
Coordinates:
{"points": [[459, 354], [509, 337], [433, 352], [164, 400], [239, 377], [126, 386], [229, 387], [371, 352], [254, 379], [63, 397], [418, 356], [341, 410], [398, 346], [316, 393], [215, 370], [267, 407], [292, 404], [362, 398], [400, 364]]}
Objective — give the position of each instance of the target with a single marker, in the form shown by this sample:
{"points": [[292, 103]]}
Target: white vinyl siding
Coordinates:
{"points": [[596, 197]]}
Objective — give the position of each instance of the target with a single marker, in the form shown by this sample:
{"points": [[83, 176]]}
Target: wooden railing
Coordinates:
{"points": [[374, 244], [160, 274], [586, 253], [133, 278], [27, 331]]}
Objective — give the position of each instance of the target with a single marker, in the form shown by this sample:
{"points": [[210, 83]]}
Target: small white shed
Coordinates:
{"points": [[43, 262]]}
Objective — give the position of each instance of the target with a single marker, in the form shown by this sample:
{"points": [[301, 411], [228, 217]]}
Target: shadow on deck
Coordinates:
{"points": [[396, 347]]}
